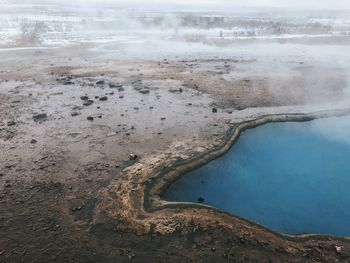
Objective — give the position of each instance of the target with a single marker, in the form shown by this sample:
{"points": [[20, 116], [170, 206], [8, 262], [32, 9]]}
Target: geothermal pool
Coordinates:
{"points": [[291, 177]]}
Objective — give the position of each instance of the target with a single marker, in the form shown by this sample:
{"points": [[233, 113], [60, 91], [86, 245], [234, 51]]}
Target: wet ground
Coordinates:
{"points": [[72, 121]]}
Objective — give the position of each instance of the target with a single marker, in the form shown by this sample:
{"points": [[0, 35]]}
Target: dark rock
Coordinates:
{"points": [[201, 200], [214, 110], [104, 98], [96, 97], [74, 114], [132, 156], [84, 98], [121, 89], [88, 102], [90, 118], [121, 97], [68, 82], [115, 85], [174, 90], [40, 117], [144, 91], [163, 118], [33, 141], [100, 82], [11, 123]]}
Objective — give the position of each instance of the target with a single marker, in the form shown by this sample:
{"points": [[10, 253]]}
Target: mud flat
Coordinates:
{"points": [[89, 142]]}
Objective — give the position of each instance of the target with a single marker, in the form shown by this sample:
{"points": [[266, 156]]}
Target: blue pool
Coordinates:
{"points": [[290, 177]]}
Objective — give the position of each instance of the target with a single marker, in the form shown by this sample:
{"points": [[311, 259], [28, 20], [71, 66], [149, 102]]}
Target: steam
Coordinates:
{"points": [[335, 129], [289, 40]]}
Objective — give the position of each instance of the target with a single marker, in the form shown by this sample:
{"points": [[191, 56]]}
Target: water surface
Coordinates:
{"points": [[291, 177]]}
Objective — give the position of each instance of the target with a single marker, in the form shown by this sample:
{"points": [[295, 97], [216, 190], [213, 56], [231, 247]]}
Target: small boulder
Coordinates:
{"points": [[144, 91], [11, 123], [115, 85], [88, 102], [132, 157], [100, 82], [39, 117], [201, 200]]}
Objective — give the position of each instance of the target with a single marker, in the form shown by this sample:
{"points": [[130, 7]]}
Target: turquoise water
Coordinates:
{"points": [[290, 177]]}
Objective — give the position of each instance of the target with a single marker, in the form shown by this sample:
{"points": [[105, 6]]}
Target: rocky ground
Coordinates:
{"points": [[77, 131]]}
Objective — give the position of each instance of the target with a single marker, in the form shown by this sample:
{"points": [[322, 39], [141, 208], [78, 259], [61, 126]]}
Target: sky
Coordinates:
{"points": [[213, 4]]}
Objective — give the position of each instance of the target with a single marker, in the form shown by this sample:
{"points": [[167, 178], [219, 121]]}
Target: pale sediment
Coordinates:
{"points": [[135, 201]]}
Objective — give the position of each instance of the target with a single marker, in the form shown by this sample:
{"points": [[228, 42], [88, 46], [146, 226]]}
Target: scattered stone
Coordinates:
{"points": [[338, 249], [151, 108], [214, 110], [77, 208], [132, 156], [90, 118], [163, 118], [11, 123], [175, 90], [40, 117], [68, 82], [104, 98], [201, 200], [115, 85], [111, 93], [84, 98], [121, 89], [33, 141], [96, 97], [100, 82], [74, 114], [88, 102], [144, 91]]}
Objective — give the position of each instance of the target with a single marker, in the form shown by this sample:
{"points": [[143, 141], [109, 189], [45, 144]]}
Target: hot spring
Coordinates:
{"points": [[290, 177]]}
